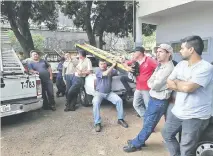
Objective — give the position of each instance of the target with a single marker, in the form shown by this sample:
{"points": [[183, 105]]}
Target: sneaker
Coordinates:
{"points": [[122, 123], [53, 108], [98, 127]]}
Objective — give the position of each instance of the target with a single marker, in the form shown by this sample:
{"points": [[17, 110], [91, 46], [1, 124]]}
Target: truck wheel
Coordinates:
{"points": [[204, 148], [85, 99]]}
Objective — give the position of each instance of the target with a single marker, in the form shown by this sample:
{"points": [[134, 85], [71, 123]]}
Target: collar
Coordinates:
{"points": [[143, 60], [161, 66]]}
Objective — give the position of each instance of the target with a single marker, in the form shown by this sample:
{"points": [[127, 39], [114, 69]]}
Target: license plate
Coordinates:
{"points": [[5, 108]]}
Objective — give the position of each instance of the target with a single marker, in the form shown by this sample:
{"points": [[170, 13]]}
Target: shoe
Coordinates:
{"points": [[63, 94], [98, 127], [130, 148], [72, 108], [53, 108], [122, 123], [129, 142], [66, 109]]}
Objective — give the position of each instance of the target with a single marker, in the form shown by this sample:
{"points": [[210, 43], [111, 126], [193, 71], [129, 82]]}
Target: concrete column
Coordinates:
{"points": [[138, 32]]}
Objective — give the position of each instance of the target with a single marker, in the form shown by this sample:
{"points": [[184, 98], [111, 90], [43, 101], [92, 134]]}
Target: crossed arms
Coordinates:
{"points": [[201, 77]]}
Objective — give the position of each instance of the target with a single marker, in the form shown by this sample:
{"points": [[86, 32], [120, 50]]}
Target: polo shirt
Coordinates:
{"points": [[84, 65], [42, 67], [104, 83]]}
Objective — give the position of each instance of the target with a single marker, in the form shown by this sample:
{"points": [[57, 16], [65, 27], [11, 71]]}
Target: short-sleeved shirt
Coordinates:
{"points": [[59, 68], [104, 83], [84, 65], [198, 103], [42, 67]]}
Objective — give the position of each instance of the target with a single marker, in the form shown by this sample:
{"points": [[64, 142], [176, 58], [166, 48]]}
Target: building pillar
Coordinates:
{"points": [[138, 32]]}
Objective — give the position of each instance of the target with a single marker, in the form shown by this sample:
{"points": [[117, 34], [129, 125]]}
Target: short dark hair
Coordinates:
{"points": [[82, 52], [35, 51], [194, 41], [101, 60]]}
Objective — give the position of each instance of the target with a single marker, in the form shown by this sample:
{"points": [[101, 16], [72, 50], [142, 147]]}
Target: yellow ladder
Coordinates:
{"points": [[107, 56]]}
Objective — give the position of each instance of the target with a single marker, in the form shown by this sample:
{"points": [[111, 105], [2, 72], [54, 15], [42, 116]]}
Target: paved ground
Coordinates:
{"points": [[44, 133]]}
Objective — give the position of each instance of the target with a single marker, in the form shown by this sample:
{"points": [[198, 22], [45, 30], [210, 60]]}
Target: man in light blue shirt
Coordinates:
{"points": [[192, 80]]}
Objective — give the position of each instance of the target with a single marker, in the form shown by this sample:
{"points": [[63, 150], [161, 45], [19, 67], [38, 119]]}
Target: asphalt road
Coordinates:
{"points": [[59, 133]]}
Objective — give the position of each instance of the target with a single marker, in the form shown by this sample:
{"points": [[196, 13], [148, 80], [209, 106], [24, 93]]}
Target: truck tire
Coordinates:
{"points": [[204, 148], [85, 99]]}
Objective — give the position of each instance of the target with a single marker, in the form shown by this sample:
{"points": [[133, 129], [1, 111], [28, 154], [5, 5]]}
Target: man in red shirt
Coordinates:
{"points": [[146, 68]]}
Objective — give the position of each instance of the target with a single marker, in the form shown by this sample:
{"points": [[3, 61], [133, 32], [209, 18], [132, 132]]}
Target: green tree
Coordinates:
{"points": [[19, 13], [38, 41], [97, 17]]}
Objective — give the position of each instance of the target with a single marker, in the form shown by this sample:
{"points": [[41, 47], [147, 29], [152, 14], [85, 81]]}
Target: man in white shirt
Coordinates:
{"points": [[83, 69], [192, 80]]}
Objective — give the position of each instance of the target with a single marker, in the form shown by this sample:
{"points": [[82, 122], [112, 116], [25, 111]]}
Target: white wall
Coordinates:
{"points": [[147, 7], [176, 27]]}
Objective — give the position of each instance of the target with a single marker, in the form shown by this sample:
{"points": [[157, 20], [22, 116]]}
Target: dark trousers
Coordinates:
{"points": [[124, 81], [72, 94], [47, 94], [60, 85], [69, 81]]}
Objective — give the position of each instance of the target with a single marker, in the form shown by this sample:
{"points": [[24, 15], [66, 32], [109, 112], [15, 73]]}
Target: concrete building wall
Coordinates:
{"points": [[175, 27]]}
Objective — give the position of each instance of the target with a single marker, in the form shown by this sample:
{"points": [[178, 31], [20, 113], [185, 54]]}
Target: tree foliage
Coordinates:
{"points": [[38, 41], [97, 17], [19, 13]]}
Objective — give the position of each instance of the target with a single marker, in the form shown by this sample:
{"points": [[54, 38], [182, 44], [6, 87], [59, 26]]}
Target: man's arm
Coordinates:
{"points": [[199, 79], [127, 65], [157, 82], [30, 67], [49, 69], [109, 70]]}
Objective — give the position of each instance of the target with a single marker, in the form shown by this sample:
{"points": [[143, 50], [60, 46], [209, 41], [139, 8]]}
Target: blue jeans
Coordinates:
{"points": [[156, 109], [140, 101], [112, 97]]}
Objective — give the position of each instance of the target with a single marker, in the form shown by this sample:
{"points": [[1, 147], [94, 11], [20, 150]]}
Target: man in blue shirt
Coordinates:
{"points": [[59, 79], [103, 91], [41, 67]]}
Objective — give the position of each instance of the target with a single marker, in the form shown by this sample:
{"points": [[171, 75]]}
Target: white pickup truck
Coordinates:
{"points": [[20, 92]]}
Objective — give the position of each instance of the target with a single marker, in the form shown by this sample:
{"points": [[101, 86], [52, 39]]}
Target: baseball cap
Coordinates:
{"points": [[141, 49], [166, 47]]}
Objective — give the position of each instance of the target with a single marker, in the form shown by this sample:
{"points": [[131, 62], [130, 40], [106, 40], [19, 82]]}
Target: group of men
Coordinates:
{"points": [[160, 85], [183, 93]]}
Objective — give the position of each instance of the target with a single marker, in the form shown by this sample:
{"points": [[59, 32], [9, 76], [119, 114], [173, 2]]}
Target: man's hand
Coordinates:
{"points": [[171, 85], [131, 69], [51, 78], [35, 72], [79, 72], [114, 64]]}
